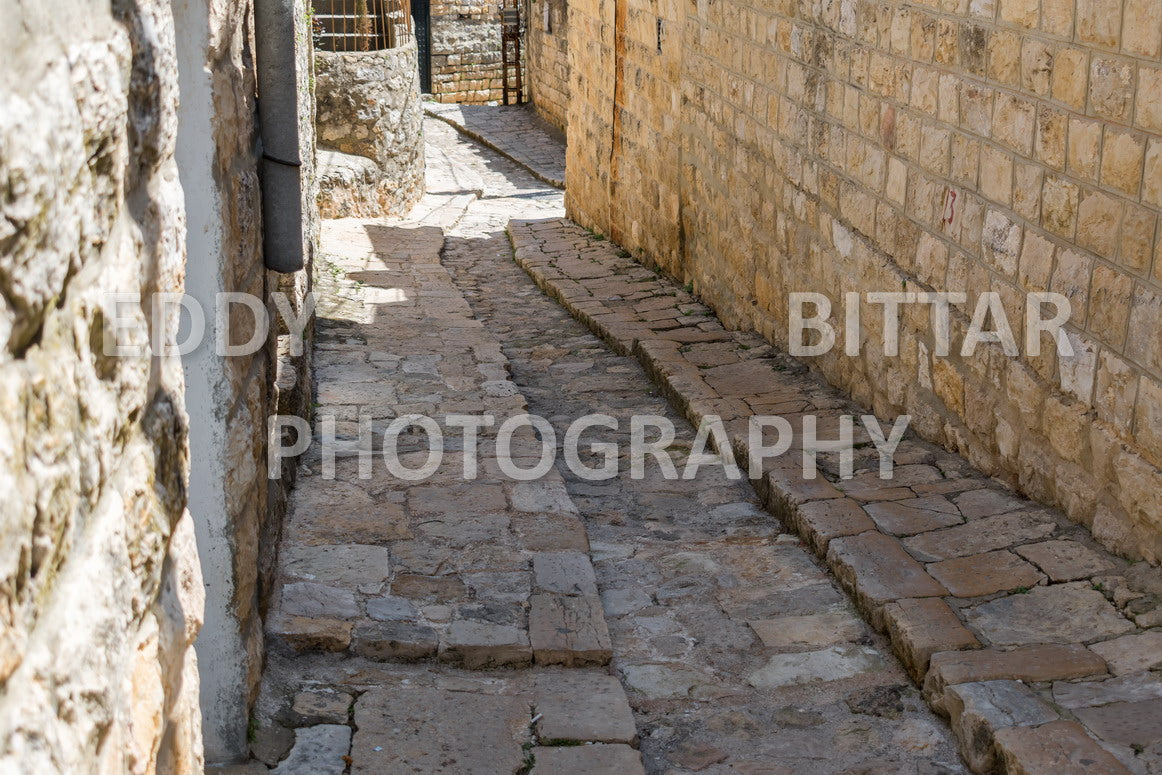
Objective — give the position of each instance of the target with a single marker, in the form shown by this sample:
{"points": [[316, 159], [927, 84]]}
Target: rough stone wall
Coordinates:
{"points": [[547, 56], [370, 127], [948, 145], [100, 589], [465, 51]]}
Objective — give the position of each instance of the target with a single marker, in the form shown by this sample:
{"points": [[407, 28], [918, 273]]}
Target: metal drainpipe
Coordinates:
{"points": [[278, 119]]}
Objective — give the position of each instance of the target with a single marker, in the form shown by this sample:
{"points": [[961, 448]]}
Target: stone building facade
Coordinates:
{"points": [[1015, 146], [547, 41], [465, 51], [129, 157]]}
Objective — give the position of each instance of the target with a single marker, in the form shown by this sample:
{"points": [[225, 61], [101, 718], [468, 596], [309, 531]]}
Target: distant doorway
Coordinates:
{"points": [[422, 14]]}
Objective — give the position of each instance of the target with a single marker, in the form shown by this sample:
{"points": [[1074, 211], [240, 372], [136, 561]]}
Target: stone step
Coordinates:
{"points": [[940, 558]]}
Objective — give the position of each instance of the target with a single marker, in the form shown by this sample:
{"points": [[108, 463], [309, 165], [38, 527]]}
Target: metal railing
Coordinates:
{"points": [[361, 25]]}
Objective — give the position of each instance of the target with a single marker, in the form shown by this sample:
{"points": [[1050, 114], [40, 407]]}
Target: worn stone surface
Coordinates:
{"points": [[1060, 746], [1137, 725], [978, 710], [552, 255], [587, 760], [318, 750], [583, 706], [829, 664], [433, 731], [880, 571], [1067, 613], [922, 627], [1132, 687], [1028, 663], [566, 630], [1131, 653], [684, 567], [983, 574], [822, 629], [1067, 560]]}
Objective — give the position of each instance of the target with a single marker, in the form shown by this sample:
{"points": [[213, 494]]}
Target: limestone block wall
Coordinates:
{"points": [[755, 149], [465, 51], [370, 128], [100, 590], [547, 55]]}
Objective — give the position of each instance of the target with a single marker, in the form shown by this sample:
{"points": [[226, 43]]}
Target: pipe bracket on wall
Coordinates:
{"points": [[278, 119]]}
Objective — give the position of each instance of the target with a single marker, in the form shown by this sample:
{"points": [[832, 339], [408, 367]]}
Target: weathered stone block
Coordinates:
{"points": [[978, 710], [922, 627], [1060, 746], [587, 760], [1030, 663], [568, 631], [984, 574], [392, 640], [878, 570], [583, 706]]}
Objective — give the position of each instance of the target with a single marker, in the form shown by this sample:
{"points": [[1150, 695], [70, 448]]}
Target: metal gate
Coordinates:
{"points": [[422, 14]]}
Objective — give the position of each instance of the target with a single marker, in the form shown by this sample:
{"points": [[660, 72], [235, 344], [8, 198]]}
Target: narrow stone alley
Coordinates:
{"points": [[667, 626]]}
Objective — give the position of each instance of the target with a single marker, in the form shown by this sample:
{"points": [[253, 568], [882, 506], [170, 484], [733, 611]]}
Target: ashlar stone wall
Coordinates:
{"points": [[465, 51], [547, 56], [1015, 146], [100, 590]]}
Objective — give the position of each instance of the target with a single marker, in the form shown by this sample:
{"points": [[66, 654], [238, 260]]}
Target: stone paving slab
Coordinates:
{"points": [[1008, 572], [434, 568], [516, 132], [402, 608], [701, 588]]}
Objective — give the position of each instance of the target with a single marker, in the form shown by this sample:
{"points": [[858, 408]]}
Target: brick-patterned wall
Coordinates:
{"points": [[547, 39], [950, 145], [465, 51]]}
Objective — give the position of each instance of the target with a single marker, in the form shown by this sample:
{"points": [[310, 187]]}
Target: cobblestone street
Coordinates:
{"points": [[563, 626]]}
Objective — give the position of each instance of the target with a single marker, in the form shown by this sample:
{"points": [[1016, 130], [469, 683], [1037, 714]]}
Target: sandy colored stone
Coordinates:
{"points": [[302, 633], [1030, 663], [979, 536], [484, 644], [916, 515], [394, 640], [1130, 653], [978, 710], [922, 627], [1060, 746], [983, 574], [821, 521], [1066, 560], [879, 571]]}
